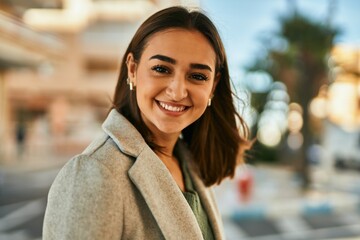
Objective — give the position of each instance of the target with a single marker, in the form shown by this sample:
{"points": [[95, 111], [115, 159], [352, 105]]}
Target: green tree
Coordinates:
{"points": [[301, 63]]}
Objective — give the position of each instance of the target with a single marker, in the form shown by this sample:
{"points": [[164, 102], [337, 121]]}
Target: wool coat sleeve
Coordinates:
{"points": [[77, 208]]}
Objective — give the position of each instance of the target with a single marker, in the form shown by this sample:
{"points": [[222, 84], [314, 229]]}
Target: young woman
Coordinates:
{"points": [[172, 132]]}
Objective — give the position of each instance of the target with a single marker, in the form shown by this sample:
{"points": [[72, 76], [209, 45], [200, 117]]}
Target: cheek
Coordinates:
{"points": [[201, 98], [146, 91], [143, 95], [142, 83]]}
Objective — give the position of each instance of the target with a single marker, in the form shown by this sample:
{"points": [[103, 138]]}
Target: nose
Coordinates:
{"points": [[177, 88]]}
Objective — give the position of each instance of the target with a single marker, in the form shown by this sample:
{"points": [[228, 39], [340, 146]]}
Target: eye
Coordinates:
{"points": [[198, 77], [160, 69]]}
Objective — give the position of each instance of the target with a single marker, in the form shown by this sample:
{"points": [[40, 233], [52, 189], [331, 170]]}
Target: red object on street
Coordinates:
{"points": [[245, 185]]}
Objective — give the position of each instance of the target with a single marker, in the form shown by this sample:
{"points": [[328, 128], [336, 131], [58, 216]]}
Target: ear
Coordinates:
{"points": [[131, 68]]}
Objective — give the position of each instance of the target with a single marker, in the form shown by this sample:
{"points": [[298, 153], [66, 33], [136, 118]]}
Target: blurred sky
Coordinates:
{"points": [[241, 22]]}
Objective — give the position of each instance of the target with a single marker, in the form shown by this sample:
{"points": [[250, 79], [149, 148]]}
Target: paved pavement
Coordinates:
{"points": [[278, 209], [275, 210], [23, 194]]}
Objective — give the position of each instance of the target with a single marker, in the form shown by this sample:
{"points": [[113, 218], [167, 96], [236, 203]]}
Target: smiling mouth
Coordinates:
{"points": [[172, 108]]}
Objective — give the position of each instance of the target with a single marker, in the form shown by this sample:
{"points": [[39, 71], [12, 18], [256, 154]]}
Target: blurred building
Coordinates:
{"points": [[20, 48], [59, 65], [338, 106]]}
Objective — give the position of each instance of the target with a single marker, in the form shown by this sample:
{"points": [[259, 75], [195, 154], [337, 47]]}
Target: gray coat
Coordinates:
{"points": [[119, 189]]}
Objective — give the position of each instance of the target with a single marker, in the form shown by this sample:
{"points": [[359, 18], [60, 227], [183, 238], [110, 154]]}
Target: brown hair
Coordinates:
{"points": [[215, 140]]}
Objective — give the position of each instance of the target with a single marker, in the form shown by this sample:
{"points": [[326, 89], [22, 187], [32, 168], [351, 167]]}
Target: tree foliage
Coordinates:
{"points": [[300, 62]]}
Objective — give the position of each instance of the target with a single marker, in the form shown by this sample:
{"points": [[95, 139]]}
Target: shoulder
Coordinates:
{"points": [[87, 196], [84, 201], [101, 161]]}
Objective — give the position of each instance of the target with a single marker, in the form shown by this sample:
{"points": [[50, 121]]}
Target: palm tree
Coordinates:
{"points": [[301, 65]]}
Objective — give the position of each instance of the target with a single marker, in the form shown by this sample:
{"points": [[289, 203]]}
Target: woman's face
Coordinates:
{"points": [[174, 79]]}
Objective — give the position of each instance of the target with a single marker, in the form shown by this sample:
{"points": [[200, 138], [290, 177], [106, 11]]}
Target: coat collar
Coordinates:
{"points": [[124, 134], [154, 181]]}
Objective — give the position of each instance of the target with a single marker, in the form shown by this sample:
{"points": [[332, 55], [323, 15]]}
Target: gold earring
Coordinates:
{"points": [[209, 102]]}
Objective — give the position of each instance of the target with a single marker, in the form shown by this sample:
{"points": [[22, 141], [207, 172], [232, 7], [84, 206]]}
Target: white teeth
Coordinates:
{"points": [[171, 108]]}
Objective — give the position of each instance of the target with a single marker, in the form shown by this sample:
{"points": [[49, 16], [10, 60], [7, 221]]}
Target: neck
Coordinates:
{"points": [[166, 158], [167, 142], [167, 147]]}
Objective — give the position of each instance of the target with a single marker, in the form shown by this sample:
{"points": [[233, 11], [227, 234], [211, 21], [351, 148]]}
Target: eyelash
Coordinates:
{"points": [[164, 70], [160, 69], [199, 77]]}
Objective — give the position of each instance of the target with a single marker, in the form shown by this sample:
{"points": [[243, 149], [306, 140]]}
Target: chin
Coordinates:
{"points": [[171, 130]]}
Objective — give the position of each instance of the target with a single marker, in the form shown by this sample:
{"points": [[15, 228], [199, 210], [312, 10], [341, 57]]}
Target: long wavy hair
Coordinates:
{"points": [[218, 138]]}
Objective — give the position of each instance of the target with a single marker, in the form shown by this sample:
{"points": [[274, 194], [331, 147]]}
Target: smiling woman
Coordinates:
{"points": [[172, 133], [174, 81]]}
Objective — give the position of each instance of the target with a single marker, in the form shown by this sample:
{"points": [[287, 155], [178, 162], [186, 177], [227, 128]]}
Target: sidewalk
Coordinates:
{"points": [[279, 209], [276, 192]]}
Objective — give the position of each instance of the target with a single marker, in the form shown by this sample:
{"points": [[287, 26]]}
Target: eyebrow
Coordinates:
{"points": [[163, 58], [200, 66], [173, 61]]}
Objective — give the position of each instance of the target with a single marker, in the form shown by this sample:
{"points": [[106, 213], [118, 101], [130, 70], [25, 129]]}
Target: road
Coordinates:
{"points": [[22, 203]]}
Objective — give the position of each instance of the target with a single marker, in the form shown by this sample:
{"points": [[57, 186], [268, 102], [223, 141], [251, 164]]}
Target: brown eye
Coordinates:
{"points": [[160, 69], [199, 77]]}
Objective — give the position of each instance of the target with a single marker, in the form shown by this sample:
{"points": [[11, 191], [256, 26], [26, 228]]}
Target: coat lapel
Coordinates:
{"points": [[164, 198], [151, 177]]}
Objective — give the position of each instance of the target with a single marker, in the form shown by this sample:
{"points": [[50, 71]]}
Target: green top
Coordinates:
{"points": [[195, 203]]}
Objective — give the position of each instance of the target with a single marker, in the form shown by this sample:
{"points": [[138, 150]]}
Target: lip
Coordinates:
{"points": [[177, 108]]}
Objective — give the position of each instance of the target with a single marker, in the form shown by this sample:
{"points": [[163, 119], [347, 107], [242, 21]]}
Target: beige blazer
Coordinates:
{"points": [[119, 189]]}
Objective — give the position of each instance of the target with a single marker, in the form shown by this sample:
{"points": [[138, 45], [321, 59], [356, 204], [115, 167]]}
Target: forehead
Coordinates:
{"points": [[181, 44]]}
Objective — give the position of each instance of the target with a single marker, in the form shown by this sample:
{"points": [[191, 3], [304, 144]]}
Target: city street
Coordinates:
{"points": [[23, 201], [265, 216], [291, 71]]}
